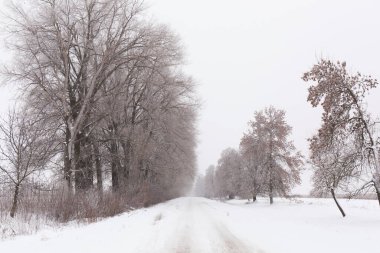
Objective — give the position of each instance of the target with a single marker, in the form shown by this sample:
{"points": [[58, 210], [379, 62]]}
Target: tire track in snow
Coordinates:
{"points": [[231, 243], [199, 230]]}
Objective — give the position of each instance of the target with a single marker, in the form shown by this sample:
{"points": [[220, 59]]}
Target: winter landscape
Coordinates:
{"points": [[203, 225], [189, 126]]}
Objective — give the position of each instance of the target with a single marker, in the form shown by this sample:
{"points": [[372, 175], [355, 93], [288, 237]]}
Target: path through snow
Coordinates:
{"points": [[200, 229], [199, 225], [183, 225]]}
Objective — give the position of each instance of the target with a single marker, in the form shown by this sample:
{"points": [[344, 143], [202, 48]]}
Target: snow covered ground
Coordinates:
{"points": [[200, 225]]}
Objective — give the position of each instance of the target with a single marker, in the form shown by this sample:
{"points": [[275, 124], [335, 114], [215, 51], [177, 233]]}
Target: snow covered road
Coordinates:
{"points": [[183, 225], [200, 225], [200, 229]]}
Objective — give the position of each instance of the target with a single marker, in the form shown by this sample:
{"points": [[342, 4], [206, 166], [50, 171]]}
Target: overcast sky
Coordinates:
{"points": [[249, 54]]}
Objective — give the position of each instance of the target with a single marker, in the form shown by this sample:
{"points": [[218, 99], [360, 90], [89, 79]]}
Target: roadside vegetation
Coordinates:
{"points": [[105, 115]]}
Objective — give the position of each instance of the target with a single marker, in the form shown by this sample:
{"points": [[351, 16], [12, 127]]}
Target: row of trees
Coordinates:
{"points": [[344, 153], [267, 162], [105, 103], [345, 150]]}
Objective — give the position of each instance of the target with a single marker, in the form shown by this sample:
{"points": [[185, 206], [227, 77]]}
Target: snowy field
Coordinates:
{"points": [[200, 225]]}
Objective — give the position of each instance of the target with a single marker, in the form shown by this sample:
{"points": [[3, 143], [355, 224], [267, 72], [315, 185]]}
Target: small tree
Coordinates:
{"points": [[335, 164], [25, 149]]}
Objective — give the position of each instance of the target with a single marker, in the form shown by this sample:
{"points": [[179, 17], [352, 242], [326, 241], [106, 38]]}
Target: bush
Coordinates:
{"points": [[38, 209]]}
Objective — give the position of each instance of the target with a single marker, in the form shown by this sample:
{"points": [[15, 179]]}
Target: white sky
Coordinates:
{"points": [[249, 54]]}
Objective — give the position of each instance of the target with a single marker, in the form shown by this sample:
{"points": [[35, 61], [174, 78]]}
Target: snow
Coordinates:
{"points": [[309, 225], [27, 224], [203, 225]]}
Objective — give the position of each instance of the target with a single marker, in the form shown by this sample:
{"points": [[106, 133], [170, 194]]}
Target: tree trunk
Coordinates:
{"points": [[270, 168], [67, 161], [98, 167], [377, 167], [78, 165], [270, 193], [377, 191], [84, 174], [89, 167], [15, 200], [126, 145], [115, 170], [83, 168], [254, 197], [336, 202]]}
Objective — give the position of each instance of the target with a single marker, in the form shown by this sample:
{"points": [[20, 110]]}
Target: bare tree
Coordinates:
{"points": [[228, 174], [116, 94], [336, 164], [209, 181], [199, 187], [26, 147], [67, 50], [253, 162]]}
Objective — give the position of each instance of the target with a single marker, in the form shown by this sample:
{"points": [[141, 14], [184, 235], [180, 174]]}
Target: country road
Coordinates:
{"points": [[199, 229], [183, 225], [199, 225]]}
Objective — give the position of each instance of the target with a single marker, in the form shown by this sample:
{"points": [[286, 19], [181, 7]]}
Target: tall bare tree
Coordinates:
{"points": [[67, 50], [113, 87]]}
